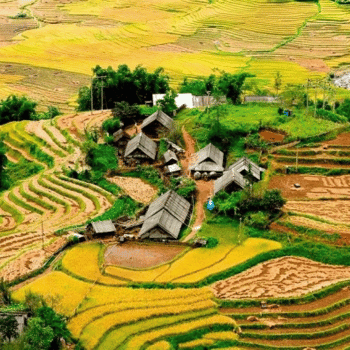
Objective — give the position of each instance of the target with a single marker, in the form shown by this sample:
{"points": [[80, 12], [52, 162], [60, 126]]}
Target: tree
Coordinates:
{"points": [[16, 108], [167, 103], [8, 327], [294, 95], [199, 87], [126, 113], [38, 336], [134, 87], [344, 108], [5, 293], [55, 322], [231, 85], [278, 82]]}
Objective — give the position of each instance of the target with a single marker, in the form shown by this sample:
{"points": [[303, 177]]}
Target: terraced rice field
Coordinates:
{"points": [[322, 323], [185, 37], [47, 197]]}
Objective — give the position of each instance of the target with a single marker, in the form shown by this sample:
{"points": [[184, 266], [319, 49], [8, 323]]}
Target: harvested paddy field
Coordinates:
{"points": [[271, 136], [136, 188], [280, 278], [311, 186], [140, 256]]}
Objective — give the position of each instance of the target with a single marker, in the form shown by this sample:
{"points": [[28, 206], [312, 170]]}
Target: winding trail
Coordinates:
{"points": [[204, 188]]}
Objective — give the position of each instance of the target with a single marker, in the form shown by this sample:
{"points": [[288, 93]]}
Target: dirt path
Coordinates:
{"points": [[205, 189]]}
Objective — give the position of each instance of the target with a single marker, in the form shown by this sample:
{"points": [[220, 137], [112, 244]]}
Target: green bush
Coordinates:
{"points": [[111, 125], [259, 220], [102, 158], [336, 118], [212, 242]]}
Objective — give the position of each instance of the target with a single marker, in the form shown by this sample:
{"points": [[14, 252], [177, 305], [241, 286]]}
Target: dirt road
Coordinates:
{"points": [[204, 188]]}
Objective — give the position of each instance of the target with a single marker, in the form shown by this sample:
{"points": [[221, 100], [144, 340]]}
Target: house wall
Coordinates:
{"points": [[158, 233], [137, 154], [181, 99]]}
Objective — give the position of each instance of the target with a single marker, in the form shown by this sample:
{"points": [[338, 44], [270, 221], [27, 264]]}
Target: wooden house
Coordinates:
{"points": [[208, 160], [105, 227], [165, 217], [157, 123], [239, 175], [173, 170], [120, 138], [141, 148], [170, 158]]}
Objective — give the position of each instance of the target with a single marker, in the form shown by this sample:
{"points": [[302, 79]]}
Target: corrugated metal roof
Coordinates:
{"points": [[173, 203], [169, 156], [173, 168], [208, 153], [164, 220], [143, 143], [161, 117], [246, 164], [105, 226]]}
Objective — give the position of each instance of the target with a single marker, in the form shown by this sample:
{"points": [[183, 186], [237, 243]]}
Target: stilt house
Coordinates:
{"points": [[120, 138], [170, 158]]}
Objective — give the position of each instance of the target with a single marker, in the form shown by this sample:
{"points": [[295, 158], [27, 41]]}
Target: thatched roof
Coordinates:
{"points": [[144, 144], [170, 156], [159, 116], [164, 220], [246, 164], [208, 154], [106, 226]]}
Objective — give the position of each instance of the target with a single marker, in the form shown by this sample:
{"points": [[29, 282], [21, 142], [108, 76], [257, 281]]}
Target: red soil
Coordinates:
{"points": [[135, 255], [342, 139], [271, 136]]}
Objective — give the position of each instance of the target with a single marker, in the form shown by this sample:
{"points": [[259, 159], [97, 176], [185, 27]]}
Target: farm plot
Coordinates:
{"points": [[45, 196], [323, 323], [282, 277]]}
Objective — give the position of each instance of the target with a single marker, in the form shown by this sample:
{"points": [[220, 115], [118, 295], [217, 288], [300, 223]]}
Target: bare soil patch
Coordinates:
{"points": [[311, 186], [342, 139], [271, 136], [141, 256], [283, 277], [135, 188]]}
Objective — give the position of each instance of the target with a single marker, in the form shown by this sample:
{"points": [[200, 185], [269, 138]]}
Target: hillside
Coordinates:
{"points": [[300, 39]]}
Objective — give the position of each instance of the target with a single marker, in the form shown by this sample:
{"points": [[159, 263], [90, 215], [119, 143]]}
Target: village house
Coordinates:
{"points": [[207, 162], [170, 158], [239, 175], [100, 228], [120, 138], [165, 217], [173, 170], [157, 123], [141, 148]]}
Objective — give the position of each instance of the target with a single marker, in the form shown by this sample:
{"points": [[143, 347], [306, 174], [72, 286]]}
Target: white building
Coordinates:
{"points": [[180, 100]]}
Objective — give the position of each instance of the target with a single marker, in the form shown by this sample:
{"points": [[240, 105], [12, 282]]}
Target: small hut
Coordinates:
{"points": [[157, 123], [247, 168], [170, 158], [165, 217], [141, 148], [173, 170], [208, 160], [105, 227], [120, 138]]}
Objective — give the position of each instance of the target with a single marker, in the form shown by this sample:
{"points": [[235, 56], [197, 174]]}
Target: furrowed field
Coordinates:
{"points": [[186, 38]]}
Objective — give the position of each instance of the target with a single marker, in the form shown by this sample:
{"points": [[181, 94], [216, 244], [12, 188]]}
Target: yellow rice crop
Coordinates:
{"points": [[138, 340], [77, 323], [161, 345], [196, 342], [70, 291], [95, 329], [221, 336]]}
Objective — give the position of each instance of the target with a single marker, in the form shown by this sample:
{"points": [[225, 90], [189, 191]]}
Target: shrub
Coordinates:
{"points": [[212, 242], [336, 118], [259, 220], [111, 125], [16, 108]]}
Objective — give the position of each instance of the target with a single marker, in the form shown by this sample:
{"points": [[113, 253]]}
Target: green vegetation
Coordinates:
{"points": [[126, 113], [122, 85]]}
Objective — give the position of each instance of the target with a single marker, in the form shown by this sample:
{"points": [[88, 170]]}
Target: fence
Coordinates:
{"points": [[266, 99], [204, 101]]}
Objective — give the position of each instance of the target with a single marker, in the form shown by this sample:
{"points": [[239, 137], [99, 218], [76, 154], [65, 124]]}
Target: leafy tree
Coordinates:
{"points": [[16, 108], [134, 87], [38, 336], [344, 108], [167, 103], [199, 87], [5, 293], [278, 82], [294, 95], [231, 85], [56, 323], [126, 113], [33, 301], [8, 327]]}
